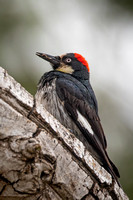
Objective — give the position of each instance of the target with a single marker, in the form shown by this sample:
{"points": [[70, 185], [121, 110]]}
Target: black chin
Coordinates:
{"points": [[56, 65]]}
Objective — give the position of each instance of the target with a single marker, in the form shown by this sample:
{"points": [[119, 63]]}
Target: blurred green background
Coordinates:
{"points": [[102, 31]]}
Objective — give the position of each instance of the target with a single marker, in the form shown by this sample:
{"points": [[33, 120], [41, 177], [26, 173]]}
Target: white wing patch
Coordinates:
{"points": [[84, 122]]}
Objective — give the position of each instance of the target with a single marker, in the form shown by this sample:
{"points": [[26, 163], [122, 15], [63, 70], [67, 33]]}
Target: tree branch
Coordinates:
{"points": [[40, 159]]}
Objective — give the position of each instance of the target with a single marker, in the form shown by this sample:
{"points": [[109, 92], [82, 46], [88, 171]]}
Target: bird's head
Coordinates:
{"points": [[70, 63]]}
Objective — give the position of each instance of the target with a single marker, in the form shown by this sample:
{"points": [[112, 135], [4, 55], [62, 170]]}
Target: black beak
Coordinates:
{"points": [[54, 60]]}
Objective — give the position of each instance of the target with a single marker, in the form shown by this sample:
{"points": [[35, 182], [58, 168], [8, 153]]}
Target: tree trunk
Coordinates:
{"points": [[42, 160]]}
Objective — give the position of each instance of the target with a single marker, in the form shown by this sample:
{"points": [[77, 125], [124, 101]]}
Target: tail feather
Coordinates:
{"points": [[115, 169], [112, 169]]}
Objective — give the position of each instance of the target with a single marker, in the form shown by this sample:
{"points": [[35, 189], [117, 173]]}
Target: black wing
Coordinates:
{"points": [[76, 102]]}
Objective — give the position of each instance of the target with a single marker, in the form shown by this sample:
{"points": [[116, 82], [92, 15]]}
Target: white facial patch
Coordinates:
{"points": [[84, 122], [65, 68]]}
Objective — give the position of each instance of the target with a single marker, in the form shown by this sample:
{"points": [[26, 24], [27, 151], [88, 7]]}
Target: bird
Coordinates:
{"points": [[66, 93]]}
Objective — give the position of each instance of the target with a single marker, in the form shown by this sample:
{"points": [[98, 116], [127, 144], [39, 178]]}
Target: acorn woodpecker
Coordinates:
{"points": [[67, 94]]}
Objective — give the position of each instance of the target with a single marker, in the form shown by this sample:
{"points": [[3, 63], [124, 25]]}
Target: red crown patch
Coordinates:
{"points": [[82, 60]]}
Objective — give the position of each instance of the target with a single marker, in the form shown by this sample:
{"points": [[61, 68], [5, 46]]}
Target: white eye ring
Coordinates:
{"points": [[68, 60]]}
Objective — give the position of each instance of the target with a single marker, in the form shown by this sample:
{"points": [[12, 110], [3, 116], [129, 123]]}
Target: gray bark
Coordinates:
{"points": [[40, 159]]}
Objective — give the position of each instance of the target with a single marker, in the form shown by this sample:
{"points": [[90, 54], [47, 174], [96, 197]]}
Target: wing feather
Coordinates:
{"points": [[76, 103], [71, 94]]}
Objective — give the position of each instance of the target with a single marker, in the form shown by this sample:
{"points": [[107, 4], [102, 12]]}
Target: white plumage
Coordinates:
{"points": [[84, 122]]}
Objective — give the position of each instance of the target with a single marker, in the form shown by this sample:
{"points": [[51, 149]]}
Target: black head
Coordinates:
{"points": [[70, 63]]}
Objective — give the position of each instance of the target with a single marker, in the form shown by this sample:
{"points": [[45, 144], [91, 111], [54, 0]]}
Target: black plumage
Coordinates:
{"points": [[70, 98]]}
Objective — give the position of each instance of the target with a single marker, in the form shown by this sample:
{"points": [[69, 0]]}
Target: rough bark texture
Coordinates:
{"points": [[40, 159]]}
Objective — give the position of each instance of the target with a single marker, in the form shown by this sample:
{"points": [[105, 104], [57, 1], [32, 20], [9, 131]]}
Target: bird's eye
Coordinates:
{"points": [[68, 60]]}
